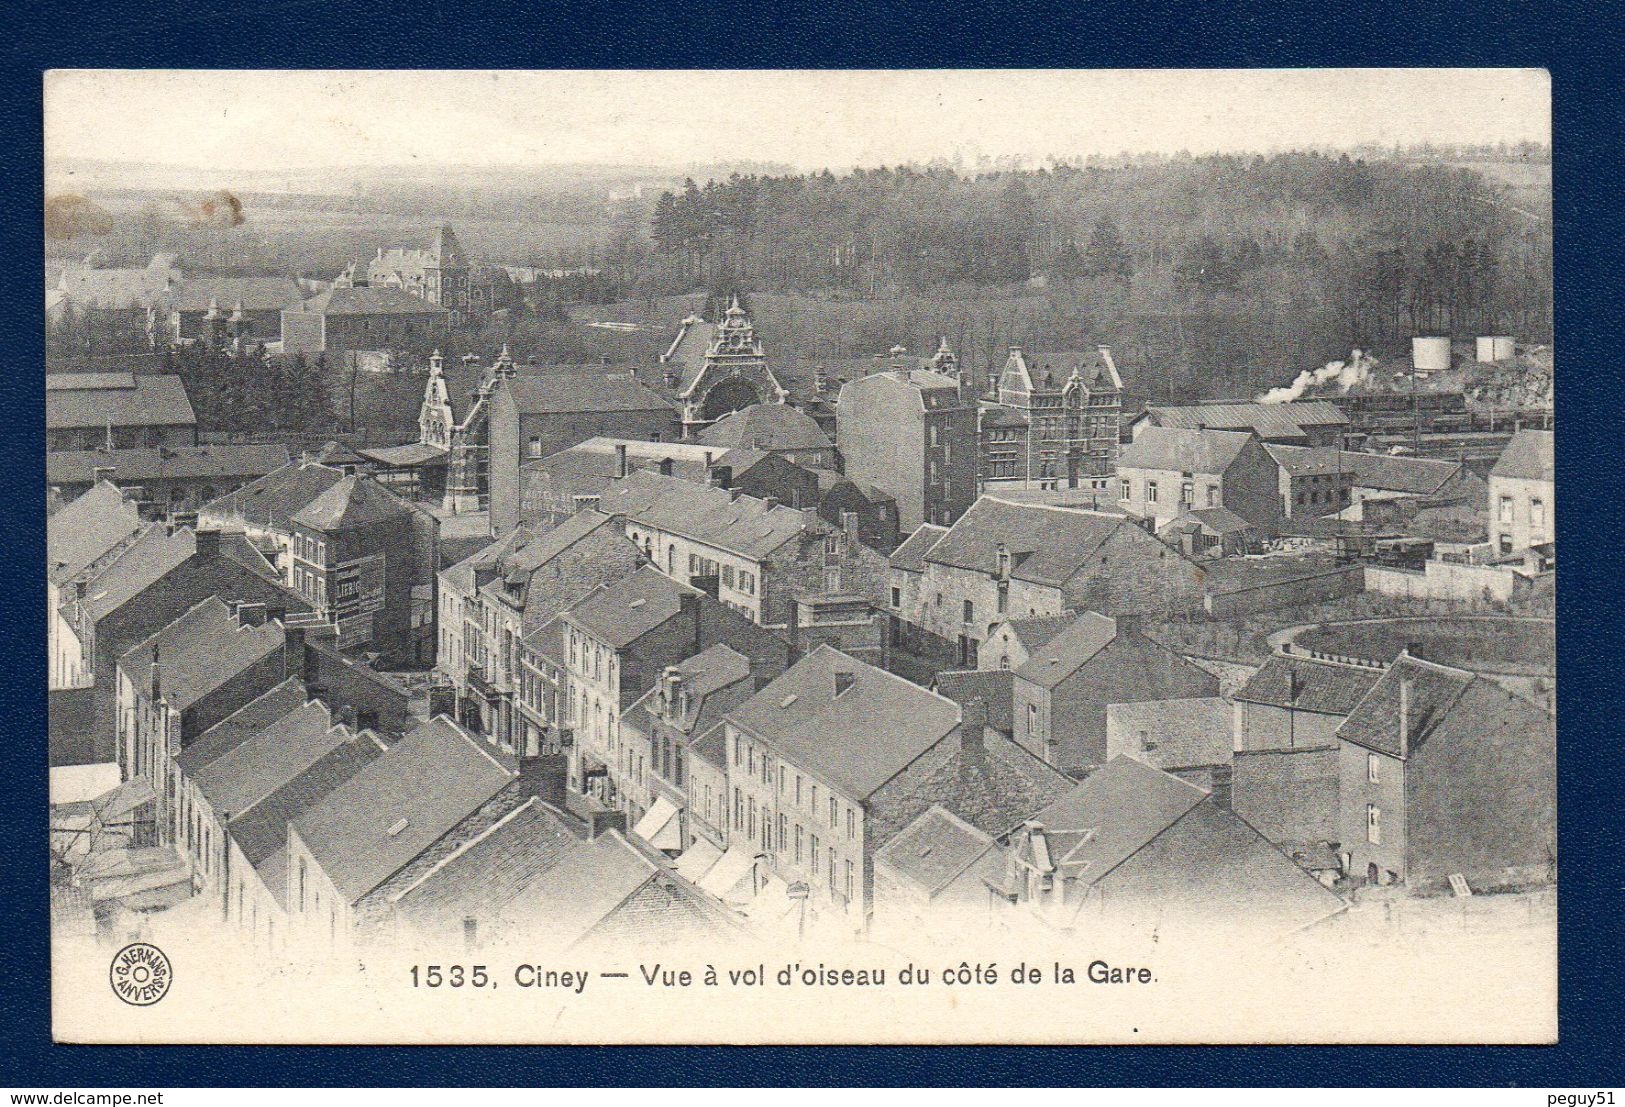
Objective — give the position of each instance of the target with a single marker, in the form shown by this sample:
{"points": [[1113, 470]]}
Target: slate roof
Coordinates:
{"points": [[1119, 809], [241, 725], [151, 400], [555, 390], [1307, 460], [584, 887], [88, 529], [856, 740], [740, 524], [998, 415], [146, 558], [1069, 650], [1188, 732], [254, 293], [425, 784], [1035, 632], [1269, 420], [766, 427], [934, 849], [243, 776], [275, 498], [123, 289], [1529, 456], [705, 676], [199, 652], [71, 731], [228, 460], [518, 559], [712, 747], [619, 614], [592, 464], [353, 501], [911, 554], [1218, 520], [1047, 545], [1186, 451], [367, 301], [1321, 687], [995, 687], [485, 876], [1375, 720]]}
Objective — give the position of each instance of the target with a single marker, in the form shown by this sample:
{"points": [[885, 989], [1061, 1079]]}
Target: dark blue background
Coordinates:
{"points": [[1579, 46]]}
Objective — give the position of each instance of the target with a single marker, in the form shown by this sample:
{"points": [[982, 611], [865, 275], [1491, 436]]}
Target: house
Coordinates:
{"points": [[183, 680], [263, 510], [222, 311], [360, 556], [173, 478], [1136, 851], [1314, 480], [143, 586], [775, 428], [1189, 737], [1063, 412], [1295, 702], [1166, 473], [951, 590], [839, 496], [535, 414], [90, 528], [617, 642], [1299, 423], [479, 895], [1060, 696], [994, 687], [1290, 796], [685, 703], [1382, 488], [118, 411], [910, 433], [438, 273], [935, 871], [501, 646], [755, 555], [341, 324], [1521, 493], [1443, 772], [806, 756], [363, 846]]}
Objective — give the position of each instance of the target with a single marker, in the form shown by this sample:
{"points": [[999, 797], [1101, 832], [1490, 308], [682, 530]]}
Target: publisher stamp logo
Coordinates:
{"points": [[140, 974]]}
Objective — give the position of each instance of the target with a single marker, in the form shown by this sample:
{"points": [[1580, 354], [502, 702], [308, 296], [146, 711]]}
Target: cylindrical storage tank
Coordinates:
{"points": [[1430, 354], [1503, 347]]}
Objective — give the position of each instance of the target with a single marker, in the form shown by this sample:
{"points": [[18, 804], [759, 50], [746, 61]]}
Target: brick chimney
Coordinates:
{"points": [[102, 473], [1404, 714], [155, 688], [665, 466], [721, 476], [251, 615], [180, 520], [620, 459], [207, 542], [973, 726]]}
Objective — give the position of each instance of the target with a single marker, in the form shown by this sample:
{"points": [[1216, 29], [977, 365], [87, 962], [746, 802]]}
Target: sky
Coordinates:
{"points": [[270, 120]]}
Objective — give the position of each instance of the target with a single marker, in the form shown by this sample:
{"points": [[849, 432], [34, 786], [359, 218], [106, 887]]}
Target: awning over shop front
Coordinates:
{"points": [[661, 827], [697, 860], [116, 803], [731, 871]]}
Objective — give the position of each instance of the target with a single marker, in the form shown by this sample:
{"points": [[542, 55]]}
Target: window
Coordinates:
{"points": [[535, 445], [1537, 513], [849, 880], [1373, 768], [1373, 824], [1004, 661], [897, 597], [851, 823], [970, 612], [1150, 491], [739, 810], [832, 867], [798, 789], [1506, 509], [739, 754], [1032, 718], [783, 835], [798, 843], [834, 812], [812, 856], [1187, 493], [1125, 491], [1213, 495]]}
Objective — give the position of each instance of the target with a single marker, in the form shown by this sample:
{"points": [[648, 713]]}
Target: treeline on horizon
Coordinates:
{"points": [[1378, 249]]}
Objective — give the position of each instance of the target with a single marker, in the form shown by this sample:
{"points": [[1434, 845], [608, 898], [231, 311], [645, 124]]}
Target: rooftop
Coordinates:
{"points": [[227, 460], [995, 687], [935, 848], [1186, 451], [1273, 421], [911, 554], [150, 400], [555, 390], [766, 427], [88, 529], [367, 301], [1531, 455], [352, 501], [275, 498], [253, 293], [1069, 650], [199, 652], [246, 774], [374, 824], [1308, 685], [716, 517], [241, 725], [1376, 720], [1182, 733], [619, 614], [855, 732], [1047, 545]]}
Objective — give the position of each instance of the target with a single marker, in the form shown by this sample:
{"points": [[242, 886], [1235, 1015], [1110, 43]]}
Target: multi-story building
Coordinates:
{"points": [[618, 641], [1521, 490], [775, 428], [343, 324], [535, 414], [1299, 702], [1443, 772], [499, 636], [911, 434], [363, 558], [79, 538], [223, 311], [1064, 413], [755, 555], [950, 590], [731, 375], [1165, 474], [117, 411], [807, 755], [1059, 697]]}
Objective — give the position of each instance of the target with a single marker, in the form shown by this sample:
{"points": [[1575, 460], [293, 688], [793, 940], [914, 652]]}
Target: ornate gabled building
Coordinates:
{"points": [[468, 462], [733, 374], [1073, 407], [439, 273]]}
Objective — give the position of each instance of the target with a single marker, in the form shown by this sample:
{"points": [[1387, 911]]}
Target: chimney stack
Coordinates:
{"points": [[156, 687], [665, 466], [251, 615], [102, 473], [688, 604], [620, 460], [769, 503], [793, 626], [973, 726], [722, 476], [207, 544], [1003, 563], [180, 520]]}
